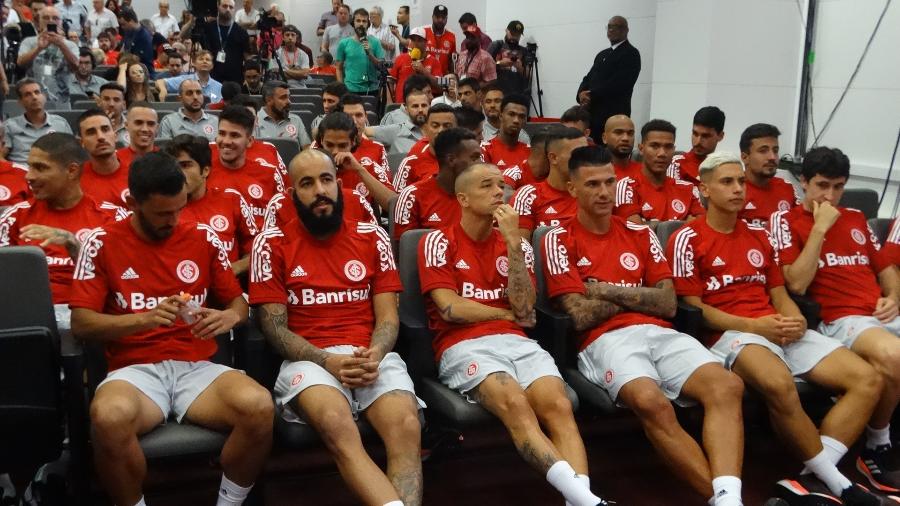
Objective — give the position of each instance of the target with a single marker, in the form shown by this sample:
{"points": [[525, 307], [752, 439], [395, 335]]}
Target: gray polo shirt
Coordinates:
{"points": [[122, 136], [335, 33], [21, 134], [395, 117], [489, 132], [91, 86], [51, 69], [400, 137], [178, 123], [290, 128]]}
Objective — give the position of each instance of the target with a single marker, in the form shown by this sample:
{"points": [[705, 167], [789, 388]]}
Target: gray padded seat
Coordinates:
{"points": [[287, 148], [394, 160], [71, 117], [881, 227], [864, 199], [443, 403]]}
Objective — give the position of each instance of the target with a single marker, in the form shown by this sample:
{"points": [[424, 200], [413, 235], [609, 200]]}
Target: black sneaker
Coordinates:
{"points": [[856, 495], [799, 494], [881, 467]]}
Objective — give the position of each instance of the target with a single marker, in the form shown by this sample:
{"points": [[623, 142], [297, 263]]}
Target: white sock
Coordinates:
{"points": [[834, 448], [878, 437], [394, 503], [141, 502], [727, 491], [563, 478], [584, 479], [826, 471], [231, 494]]}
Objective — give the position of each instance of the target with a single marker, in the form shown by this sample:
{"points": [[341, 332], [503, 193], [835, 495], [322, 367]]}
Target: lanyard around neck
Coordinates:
{"points": [[219, 33]]}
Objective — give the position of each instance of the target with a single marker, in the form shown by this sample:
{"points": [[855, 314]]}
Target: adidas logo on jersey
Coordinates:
{"points": [[298, 272], [129, 274], [550, 210], [718, 262], [462, 264], [647, 207], [749, 206], [584, 262], [434, 217]]}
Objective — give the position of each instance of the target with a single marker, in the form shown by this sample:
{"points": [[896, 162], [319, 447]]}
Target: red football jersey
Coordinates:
{"points": [[85, 216], [763, 202], [631, 169], [113, 276], [674, 200], [13, 187], [373, 157], [731, 272], [892, 244], [542, 205], [419, 164], [402, 69], [280, 209], [686, 167], [626, 255], [327, 286], [441, 47], [518, 176], [846, 283], [257, 181], [504, 157], [425, 205], [112, 188], [229, 215], [475, 270]]}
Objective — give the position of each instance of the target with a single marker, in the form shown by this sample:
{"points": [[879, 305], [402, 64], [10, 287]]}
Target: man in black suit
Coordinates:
{"points": [[229, 44], [606, 89]]}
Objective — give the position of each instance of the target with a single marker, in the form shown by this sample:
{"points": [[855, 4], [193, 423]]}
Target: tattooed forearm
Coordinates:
{"points": [[273, 322], [448, 316], [384, 336], [658, 301], [520, 290], [587, 313]]}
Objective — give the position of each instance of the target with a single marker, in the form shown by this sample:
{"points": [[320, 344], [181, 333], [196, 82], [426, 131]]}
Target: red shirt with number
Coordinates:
{"points": [[441, 46], [730, 272], [419, 164], [402, 69], [327, 285], [673, 200], [626, 255], [475, 270], [512, 161], [542, 205], [226, 212], [113, 276], [892, 243], [686, 167], [846, 283], [13, 187], [257, 181], [80, 219], [425, 205], [762, 203]]}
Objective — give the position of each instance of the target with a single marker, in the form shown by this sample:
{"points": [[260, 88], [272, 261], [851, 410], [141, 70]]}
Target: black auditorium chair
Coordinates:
{"points": [[84, 105], [165, 106], [71, 117], [31, 392], [864, 199], [287, 148], [531, 128], [307, 117], [445, 406], [394, 160], [881, 227], [390, 107]]}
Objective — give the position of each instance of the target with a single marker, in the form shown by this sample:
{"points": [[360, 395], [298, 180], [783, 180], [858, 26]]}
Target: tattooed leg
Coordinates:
{"points": [[396, 419]]}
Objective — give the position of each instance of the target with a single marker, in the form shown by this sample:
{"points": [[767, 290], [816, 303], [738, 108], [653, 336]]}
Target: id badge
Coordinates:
{"points": [[220, 57], [48, 70]]}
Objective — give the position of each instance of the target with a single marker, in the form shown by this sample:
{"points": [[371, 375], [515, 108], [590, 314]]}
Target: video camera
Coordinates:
{"points": [[266, 21]]}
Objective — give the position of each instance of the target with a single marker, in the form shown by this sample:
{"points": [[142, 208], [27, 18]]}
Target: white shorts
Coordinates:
{"points": [[664, 355], [63, 320], [173, 385], [466, 364], [296, 377], [800, 356], [848, 329]]}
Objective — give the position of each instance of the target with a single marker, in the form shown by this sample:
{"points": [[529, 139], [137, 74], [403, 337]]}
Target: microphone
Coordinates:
{"points": [[415, 53]]}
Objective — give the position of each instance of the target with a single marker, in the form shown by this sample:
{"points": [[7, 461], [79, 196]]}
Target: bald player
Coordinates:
{"points": [[618, 136], [479, 282]]}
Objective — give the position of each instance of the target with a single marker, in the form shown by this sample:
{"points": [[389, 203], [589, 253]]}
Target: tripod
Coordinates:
{"points": [[533, 72], [267, 46]]}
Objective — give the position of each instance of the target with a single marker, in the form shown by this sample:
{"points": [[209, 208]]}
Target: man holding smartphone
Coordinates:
{"points": [[50, 58]]}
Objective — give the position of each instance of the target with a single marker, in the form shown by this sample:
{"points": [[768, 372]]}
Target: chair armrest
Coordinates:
{"points": [[809, 309], [553, 332], [252, 354], [688, 319]]}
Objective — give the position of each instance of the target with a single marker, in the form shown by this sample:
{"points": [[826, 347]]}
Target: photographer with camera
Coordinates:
{"points": [[511, 59], [294, 62], [359, 58], [50, 59], [416, 61], [474, 61]]}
